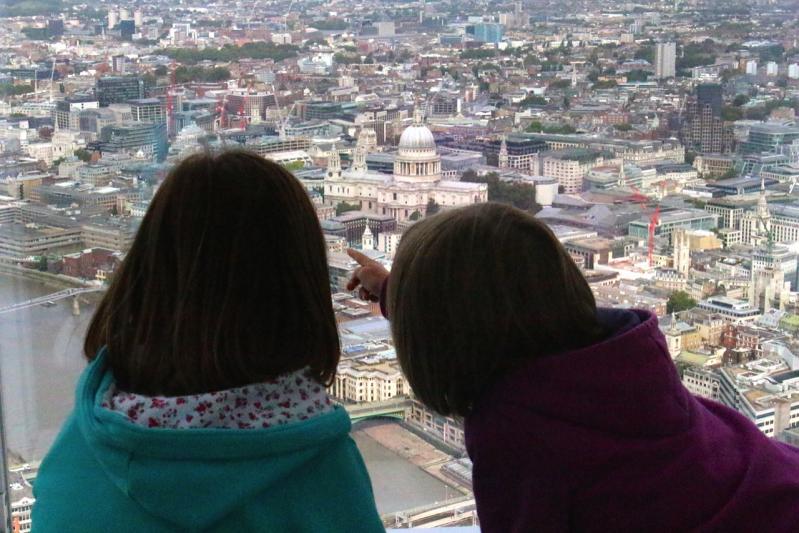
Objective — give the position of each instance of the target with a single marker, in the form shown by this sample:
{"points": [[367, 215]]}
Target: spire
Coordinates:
{"points": [[622, 175], [367, 239], [418, 116], [503, 154], [762, 202], [334, 163], [673, 326], [359, 160]]}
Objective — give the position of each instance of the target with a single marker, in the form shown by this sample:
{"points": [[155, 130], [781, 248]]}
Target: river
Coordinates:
{"points": [[40, 360]]}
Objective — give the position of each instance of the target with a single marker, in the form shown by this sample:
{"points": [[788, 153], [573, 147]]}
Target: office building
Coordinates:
{"points": [[730, 213], [732, 310], [111, 233], [773, 271], [148, 110], [772, 69], [118, 89], [146, 139], [385, 29], [444, 104], [514, 151], [66, 114], [671, 219], [769, 138], [665, 60], [488, 32], [766, 391], [21, 241], [570, 166]]}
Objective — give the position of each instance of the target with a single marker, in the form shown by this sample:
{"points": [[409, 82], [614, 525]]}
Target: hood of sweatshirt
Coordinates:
{"points": [[626, 384], [155, 467], [606, 438]]}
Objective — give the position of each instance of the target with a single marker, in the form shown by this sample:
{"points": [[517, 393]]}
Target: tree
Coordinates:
{"points": [[533, 100], [432, 207], [416, 215], [623, 127], [646, 53], [160, 70], [605, 84], [560, 84], [253, 50], [731, 113], [291, 166], [680, 301], [519, 195], [83, 154], [534, 127], [343, 207], [756, 113], [8, 89], [740, 100], [529, 60], [42, 264], [188, 74]]}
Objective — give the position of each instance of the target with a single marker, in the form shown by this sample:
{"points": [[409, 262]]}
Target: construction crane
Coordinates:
{"points": [[52, 78], [222, 110], [654, 219], [281, 122], [286, 16], [170, 100]]}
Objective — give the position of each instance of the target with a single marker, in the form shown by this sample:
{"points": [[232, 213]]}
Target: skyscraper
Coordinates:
{"points": [[703, 129], [665, 60], [710, 94]]}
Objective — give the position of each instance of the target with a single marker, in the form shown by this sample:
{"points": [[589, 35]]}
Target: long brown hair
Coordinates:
{"points": [[476, 291], [226, 283]]}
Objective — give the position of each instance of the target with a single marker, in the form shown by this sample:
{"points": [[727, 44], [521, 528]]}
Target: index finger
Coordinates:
{"points": [[362, 259]]}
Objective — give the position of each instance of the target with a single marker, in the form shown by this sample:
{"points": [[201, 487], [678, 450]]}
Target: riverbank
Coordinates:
{"points": [[414, 449], [57, 281]]}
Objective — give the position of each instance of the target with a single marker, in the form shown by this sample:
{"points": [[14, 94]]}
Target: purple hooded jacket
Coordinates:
{"points": [[607, 439]]}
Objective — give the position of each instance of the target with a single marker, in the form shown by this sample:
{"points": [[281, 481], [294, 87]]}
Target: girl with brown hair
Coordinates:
{"points": [[203, 407], [574, 416]]}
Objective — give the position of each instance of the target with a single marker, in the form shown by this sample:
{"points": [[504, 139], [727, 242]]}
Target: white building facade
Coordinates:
{"points": [[415, 182]]}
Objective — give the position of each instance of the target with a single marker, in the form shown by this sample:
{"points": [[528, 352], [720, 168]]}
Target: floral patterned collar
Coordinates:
{"points": [[289, 398]]}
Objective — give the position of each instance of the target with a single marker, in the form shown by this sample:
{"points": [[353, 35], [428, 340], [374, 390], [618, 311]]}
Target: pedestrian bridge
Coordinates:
{"points": [[460, 511], [60, 295], [394, 408]]}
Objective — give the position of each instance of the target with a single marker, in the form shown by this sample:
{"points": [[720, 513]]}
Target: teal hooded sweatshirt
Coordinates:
{"points": [[106, 474]]}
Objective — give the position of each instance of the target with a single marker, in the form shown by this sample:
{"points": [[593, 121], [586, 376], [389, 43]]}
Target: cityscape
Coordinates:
{"points": [[659, 141]]}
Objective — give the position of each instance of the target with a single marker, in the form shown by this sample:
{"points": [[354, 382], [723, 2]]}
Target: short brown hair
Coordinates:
{"points": [[226, 283], [474, 292]]}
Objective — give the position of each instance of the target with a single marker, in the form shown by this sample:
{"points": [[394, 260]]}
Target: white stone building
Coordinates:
{"points": [[416, 179]]}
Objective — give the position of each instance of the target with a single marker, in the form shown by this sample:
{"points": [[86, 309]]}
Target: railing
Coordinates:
{"points": [[453, 511], [60, 295], [394, 408]]}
